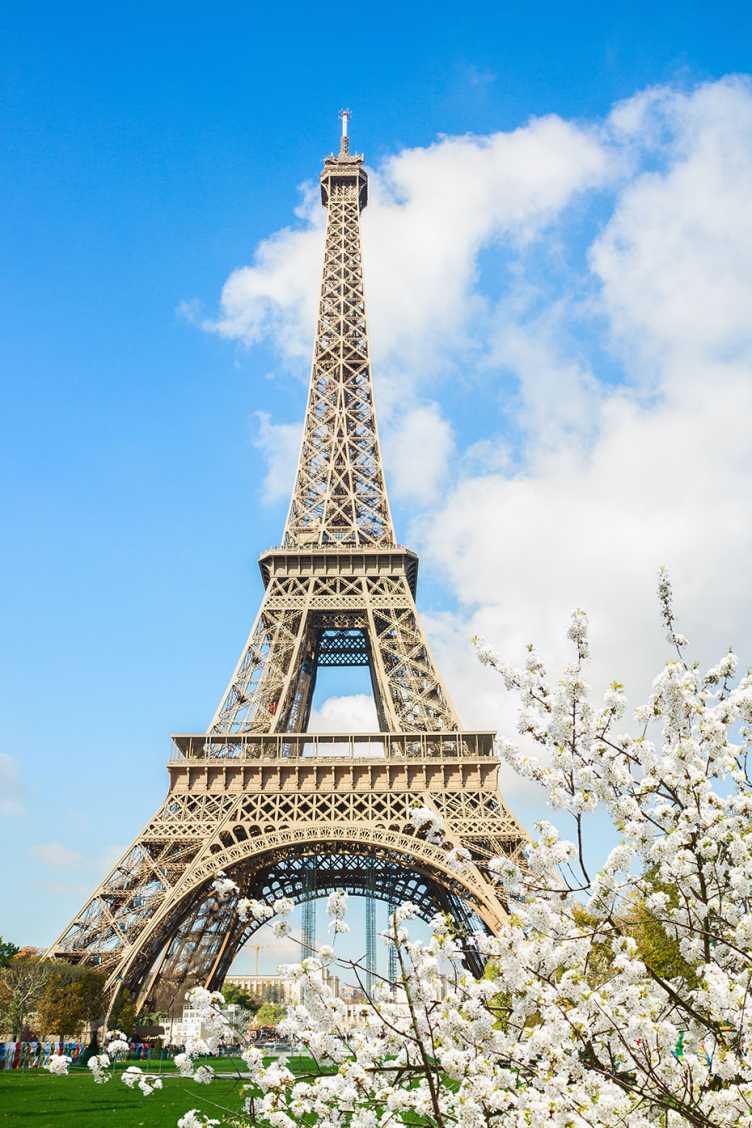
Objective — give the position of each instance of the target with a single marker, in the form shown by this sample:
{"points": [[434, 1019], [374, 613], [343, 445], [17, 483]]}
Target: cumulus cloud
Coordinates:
{"points": [[430, 212], [435, 208], [653, 468], [279, 444], [674, 260], [10, 786], [418, 449], [591, 282], [55, 854], [354, 712], [276, 295]]}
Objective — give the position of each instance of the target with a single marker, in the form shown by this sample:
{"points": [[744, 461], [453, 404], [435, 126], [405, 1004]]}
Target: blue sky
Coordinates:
{"points": [[147, 156]]}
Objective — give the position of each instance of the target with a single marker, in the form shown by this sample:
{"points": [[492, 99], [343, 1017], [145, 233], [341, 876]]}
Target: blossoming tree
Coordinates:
{"points": [[581, 1018]]}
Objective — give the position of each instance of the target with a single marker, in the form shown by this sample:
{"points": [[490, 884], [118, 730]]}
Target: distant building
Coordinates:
{"points": [[266, 988], [276, 988], [351, 994], [334, 983], [191, 1025]]}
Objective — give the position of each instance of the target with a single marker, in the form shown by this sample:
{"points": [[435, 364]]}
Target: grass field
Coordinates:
{"points": [[44, 1101], [36, 1099], [39, 1100]]}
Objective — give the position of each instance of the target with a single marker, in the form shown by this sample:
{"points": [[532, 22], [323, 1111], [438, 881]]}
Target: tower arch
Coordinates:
{"points": [[296, 867]]}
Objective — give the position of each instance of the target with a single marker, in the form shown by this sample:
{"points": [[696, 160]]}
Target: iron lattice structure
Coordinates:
{"points": [[392, 969], [282, 811], [308, 931], [370, 943]]}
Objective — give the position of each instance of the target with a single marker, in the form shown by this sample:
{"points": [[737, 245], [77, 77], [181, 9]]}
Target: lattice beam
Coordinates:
{"points": [[340, 495]]}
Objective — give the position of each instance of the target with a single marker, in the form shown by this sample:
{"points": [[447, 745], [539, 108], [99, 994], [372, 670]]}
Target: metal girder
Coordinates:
{"points": [[273, 683], [343, 647]]}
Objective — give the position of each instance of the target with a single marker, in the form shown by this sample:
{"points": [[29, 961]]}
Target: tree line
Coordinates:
{"points": [[40, 996]]}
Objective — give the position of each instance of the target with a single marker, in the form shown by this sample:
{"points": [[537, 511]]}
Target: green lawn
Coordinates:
{"points": [[39, 1100], [219, 1065], [43, 1101]]}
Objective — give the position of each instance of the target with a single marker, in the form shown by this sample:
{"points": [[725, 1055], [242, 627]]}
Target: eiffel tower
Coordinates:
{"points": [[287, 812]]}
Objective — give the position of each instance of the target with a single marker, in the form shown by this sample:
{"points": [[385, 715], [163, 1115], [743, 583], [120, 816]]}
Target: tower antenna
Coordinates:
{"points": [[344, 145]]}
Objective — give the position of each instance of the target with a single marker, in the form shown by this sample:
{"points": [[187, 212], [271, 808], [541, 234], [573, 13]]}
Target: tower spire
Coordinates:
{"points": [[344, 144], [340, 495]]}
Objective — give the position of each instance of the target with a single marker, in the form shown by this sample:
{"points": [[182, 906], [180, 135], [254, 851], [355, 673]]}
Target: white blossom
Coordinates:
{"points": [[194, 1119], [337, 926], [249, 909], [427, 822], [99, 1064], [184, 1064], [459, 858], [134, 1077], [224, 887], [58, 1064]]}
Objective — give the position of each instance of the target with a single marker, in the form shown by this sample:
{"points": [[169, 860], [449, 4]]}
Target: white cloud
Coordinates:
{"points": [[10, 786], [277, 295], [55, 854], [279, 444], [418, 447], [558, 399], [430, 211], [675, 258], [353, 712], [654, 470], [485, 455], [434, 209]]}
